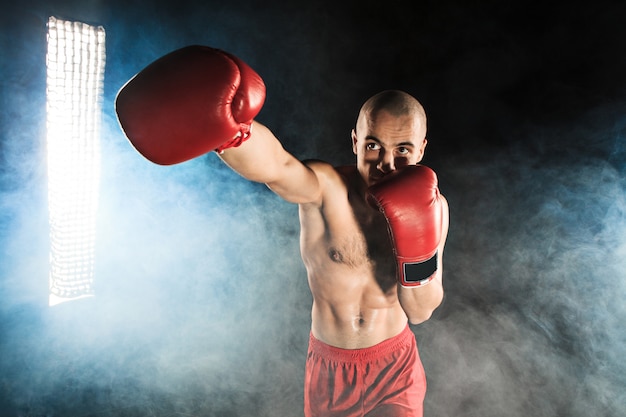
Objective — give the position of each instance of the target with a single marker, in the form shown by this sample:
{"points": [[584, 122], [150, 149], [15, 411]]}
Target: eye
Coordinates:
{"points": [[372, 146], [402, 150]]}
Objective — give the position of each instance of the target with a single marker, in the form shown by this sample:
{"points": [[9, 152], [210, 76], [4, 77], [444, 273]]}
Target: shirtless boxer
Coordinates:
{"points": [[372, 235]]}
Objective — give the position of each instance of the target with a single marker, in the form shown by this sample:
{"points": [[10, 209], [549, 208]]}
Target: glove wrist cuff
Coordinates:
{"points": [[416, 274], [241, 136]]}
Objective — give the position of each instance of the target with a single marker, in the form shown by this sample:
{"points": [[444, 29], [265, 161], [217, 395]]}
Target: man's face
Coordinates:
{"points": [[385, 143]]}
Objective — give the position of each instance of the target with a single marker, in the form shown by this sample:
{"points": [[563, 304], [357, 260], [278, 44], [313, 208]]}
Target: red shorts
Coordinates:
{"points": [[386, 379]]}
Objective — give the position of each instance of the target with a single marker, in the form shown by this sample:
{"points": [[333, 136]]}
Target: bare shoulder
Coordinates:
{"points": [[332, 179], [329, 174], [320, 167]]}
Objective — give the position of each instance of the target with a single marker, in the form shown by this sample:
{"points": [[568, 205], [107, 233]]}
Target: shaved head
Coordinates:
{"points": [[395, 102]]}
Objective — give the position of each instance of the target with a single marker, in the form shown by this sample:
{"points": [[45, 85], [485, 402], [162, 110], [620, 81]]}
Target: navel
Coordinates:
{"points": [[359, 321]]}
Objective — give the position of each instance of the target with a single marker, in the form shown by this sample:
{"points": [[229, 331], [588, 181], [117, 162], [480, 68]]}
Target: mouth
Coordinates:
{"points": [[380, 176], [373, 179]]}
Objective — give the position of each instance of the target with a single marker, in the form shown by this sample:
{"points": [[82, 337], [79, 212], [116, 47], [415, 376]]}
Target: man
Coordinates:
{"points": [[372, 235]]}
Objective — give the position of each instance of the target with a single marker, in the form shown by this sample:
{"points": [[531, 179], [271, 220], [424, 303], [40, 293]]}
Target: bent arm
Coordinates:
{"points": [[263, 159], [419, 303]]}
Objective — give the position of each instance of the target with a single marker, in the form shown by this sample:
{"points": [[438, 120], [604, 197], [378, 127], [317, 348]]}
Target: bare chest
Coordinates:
{"points": [[347, 240]]}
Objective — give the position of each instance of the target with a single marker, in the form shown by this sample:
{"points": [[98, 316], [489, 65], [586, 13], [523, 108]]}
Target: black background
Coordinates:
{"points": [[202, 306]]}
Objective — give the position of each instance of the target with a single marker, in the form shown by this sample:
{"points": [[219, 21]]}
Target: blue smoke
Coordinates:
{"points": [[202, 306]]}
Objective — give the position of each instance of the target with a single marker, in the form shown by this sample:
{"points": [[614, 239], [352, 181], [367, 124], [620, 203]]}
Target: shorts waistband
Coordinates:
{"points": [[402, 339]]}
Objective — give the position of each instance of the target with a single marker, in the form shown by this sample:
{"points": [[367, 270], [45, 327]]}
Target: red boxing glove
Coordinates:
{"points": [[190, 102], [410, 201]]}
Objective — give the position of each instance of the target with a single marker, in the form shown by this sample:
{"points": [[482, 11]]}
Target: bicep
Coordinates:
{"points": [[298, 182], [263, 159]]}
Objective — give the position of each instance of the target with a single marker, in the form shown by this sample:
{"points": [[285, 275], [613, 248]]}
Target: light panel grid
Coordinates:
{"points": [[75, 76]]}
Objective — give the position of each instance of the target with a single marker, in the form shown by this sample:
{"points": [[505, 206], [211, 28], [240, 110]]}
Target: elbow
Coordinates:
{"points": [[421, 316], [426, 309], [415, 319]]}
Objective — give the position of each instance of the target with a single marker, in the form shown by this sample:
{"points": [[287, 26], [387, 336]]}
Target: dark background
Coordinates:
{"points": [[202, 306]]}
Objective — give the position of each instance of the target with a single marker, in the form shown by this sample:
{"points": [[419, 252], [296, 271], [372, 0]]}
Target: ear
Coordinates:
{"points": [[353, 141], [422, 149]]}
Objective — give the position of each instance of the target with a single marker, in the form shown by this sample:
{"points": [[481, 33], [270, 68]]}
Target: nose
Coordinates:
{"points": [[386, 162]]}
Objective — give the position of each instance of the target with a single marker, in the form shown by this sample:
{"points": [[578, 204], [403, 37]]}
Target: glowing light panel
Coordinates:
{"points": [[75, 74]]}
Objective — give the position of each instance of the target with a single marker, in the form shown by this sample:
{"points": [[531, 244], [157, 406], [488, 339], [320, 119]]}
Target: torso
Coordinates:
{"points": [[351, 268]]}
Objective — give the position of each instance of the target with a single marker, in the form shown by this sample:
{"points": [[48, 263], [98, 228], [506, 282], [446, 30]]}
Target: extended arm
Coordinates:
{"points": [[263, 159], [199, 99]]}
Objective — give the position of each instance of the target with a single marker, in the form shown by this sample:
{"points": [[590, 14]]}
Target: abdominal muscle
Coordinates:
{"points": [[356, 321], [351, 267], [352, 308]]}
